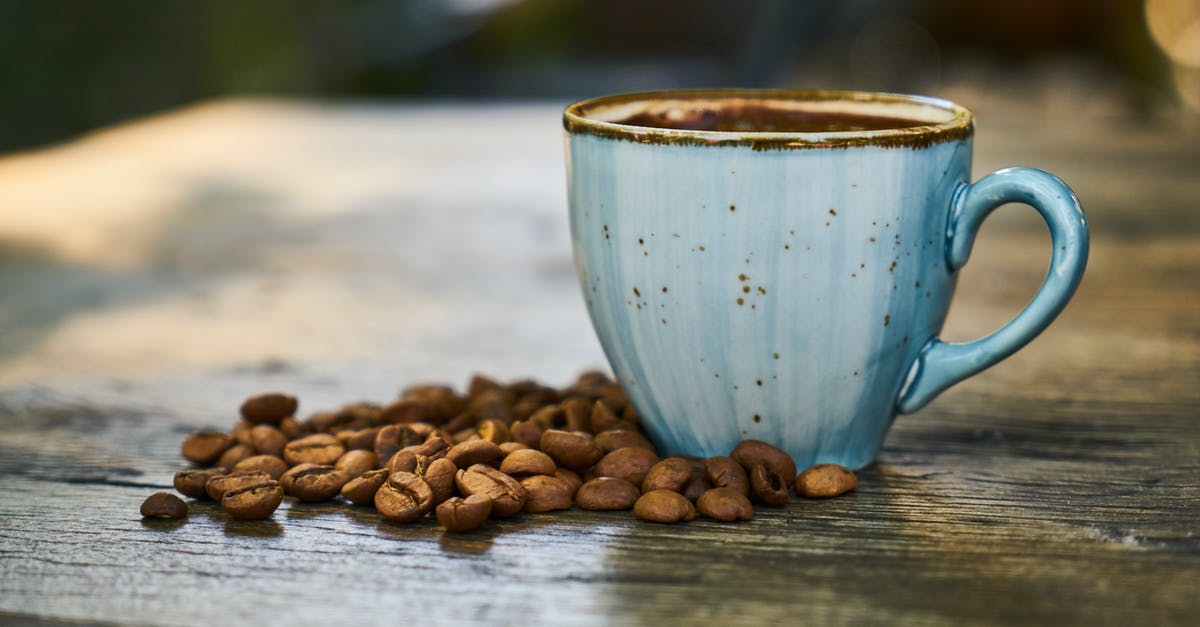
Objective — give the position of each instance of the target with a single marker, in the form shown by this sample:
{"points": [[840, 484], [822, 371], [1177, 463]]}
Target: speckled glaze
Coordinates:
{"points": [[791, 295]]}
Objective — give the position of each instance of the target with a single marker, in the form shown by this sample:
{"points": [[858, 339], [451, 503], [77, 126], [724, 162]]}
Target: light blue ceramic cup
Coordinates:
{"points": [[790, 287]]}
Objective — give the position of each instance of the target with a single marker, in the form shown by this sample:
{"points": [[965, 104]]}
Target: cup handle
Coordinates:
{"points": [[941, 365]]}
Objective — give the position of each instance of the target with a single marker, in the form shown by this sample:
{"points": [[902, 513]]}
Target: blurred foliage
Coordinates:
{"points": [[67, 66]]}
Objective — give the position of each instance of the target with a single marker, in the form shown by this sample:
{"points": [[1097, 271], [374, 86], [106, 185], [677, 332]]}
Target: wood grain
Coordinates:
{"points": [[341, 262]]}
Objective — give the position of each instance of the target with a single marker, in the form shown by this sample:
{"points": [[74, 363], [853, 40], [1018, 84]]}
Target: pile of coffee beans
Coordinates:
{"points": [[493, 452]]}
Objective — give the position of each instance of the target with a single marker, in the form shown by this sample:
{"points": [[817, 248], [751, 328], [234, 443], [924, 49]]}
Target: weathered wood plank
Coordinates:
{"points": [[1062, 486]]}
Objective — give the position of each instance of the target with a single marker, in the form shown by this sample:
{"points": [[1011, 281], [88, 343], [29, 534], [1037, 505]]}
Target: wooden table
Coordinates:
{"points": [[154, 274]]}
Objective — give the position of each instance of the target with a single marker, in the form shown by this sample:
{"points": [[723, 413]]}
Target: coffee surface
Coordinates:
{"points": [[764, 119]]}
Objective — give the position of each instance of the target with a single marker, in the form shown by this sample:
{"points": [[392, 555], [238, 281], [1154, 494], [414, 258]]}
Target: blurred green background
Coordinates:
{"points": [[67, 66]]}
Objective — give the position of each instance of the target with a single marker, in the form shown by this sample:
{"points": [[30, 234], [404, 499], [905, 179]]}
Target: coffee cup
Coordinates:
{"points": [[778, 264]]}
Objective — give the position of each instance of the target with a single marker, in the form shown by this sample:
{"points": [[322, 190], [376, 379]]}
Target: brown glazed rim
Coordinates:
{"points": [[959, 126]]}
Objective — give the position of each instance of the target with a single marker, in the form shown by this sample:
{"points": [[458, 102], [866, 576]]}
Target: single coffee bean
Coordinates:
{"points": [[360, 440], [751, 452], [269, 408], [613, 396], [361, 490], [191, 482], [672, 473], [508, 497], [545, 493], [826, 480], [273, 466], [313, 482], [527, 462], [439, 474], [546, 418], [473, 452], [466, 435], [493, 405], [460, 422], [241, 433], [724, 472], [630, 464], [235, 454], [767, 487], [356, 462], [405, 460], [480, 384], [593, 379], [291, 428], [509, 447], [254, 502], [421, 429], [527, 432], [392, 438], [321, 449], [725, 505], [493, 431], [404, 497], [570, 477], [578, 412], [664, 506], [603, 419], [205, 447], [219, 485], [573, 450], [459, 514], [164, 505], [268, 440], [698, 485], [606, 493], [621, 438], [441, 399]]}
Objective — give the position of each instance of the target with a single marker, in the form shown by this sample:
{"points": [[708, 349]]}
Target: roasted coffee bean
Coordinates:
{"points": [[545, 494], [751, 452], [617, 439], [205, 447], [268, 440], [269, 408], [592, 379], [466, 435], [421, 429], [356, 462], [459, 514], [493, 405], [405, 411], [219, 485], [527, 432], [313, 482], [508, 448], [191, 482], [405, 460], [480, 384], [473, 452], [527, 462], [361, 490], [826, 480], [614, 398], [672, 473], [664, 506], [724, 472], [361, 440], [603, 419], [320, 449], [578, 412], [164, 505], [441, 399], [526, 406], [439, 474], [573, 450], [241, 433], [292, 429], [235, 454], [493, 430], [273, 466], [630, 464], [630, 414], [552, 417], [254, 502], [725, 504], [392, 438], [460, 422], [570, 477], [404, 497], [767, 487], [508, 497], [697, 485], [607, 493]]}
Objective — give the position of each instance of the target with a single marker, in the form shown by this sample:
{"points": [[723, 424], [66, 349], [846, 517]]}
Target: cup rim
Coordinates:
{"points": [[958, 125]]}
